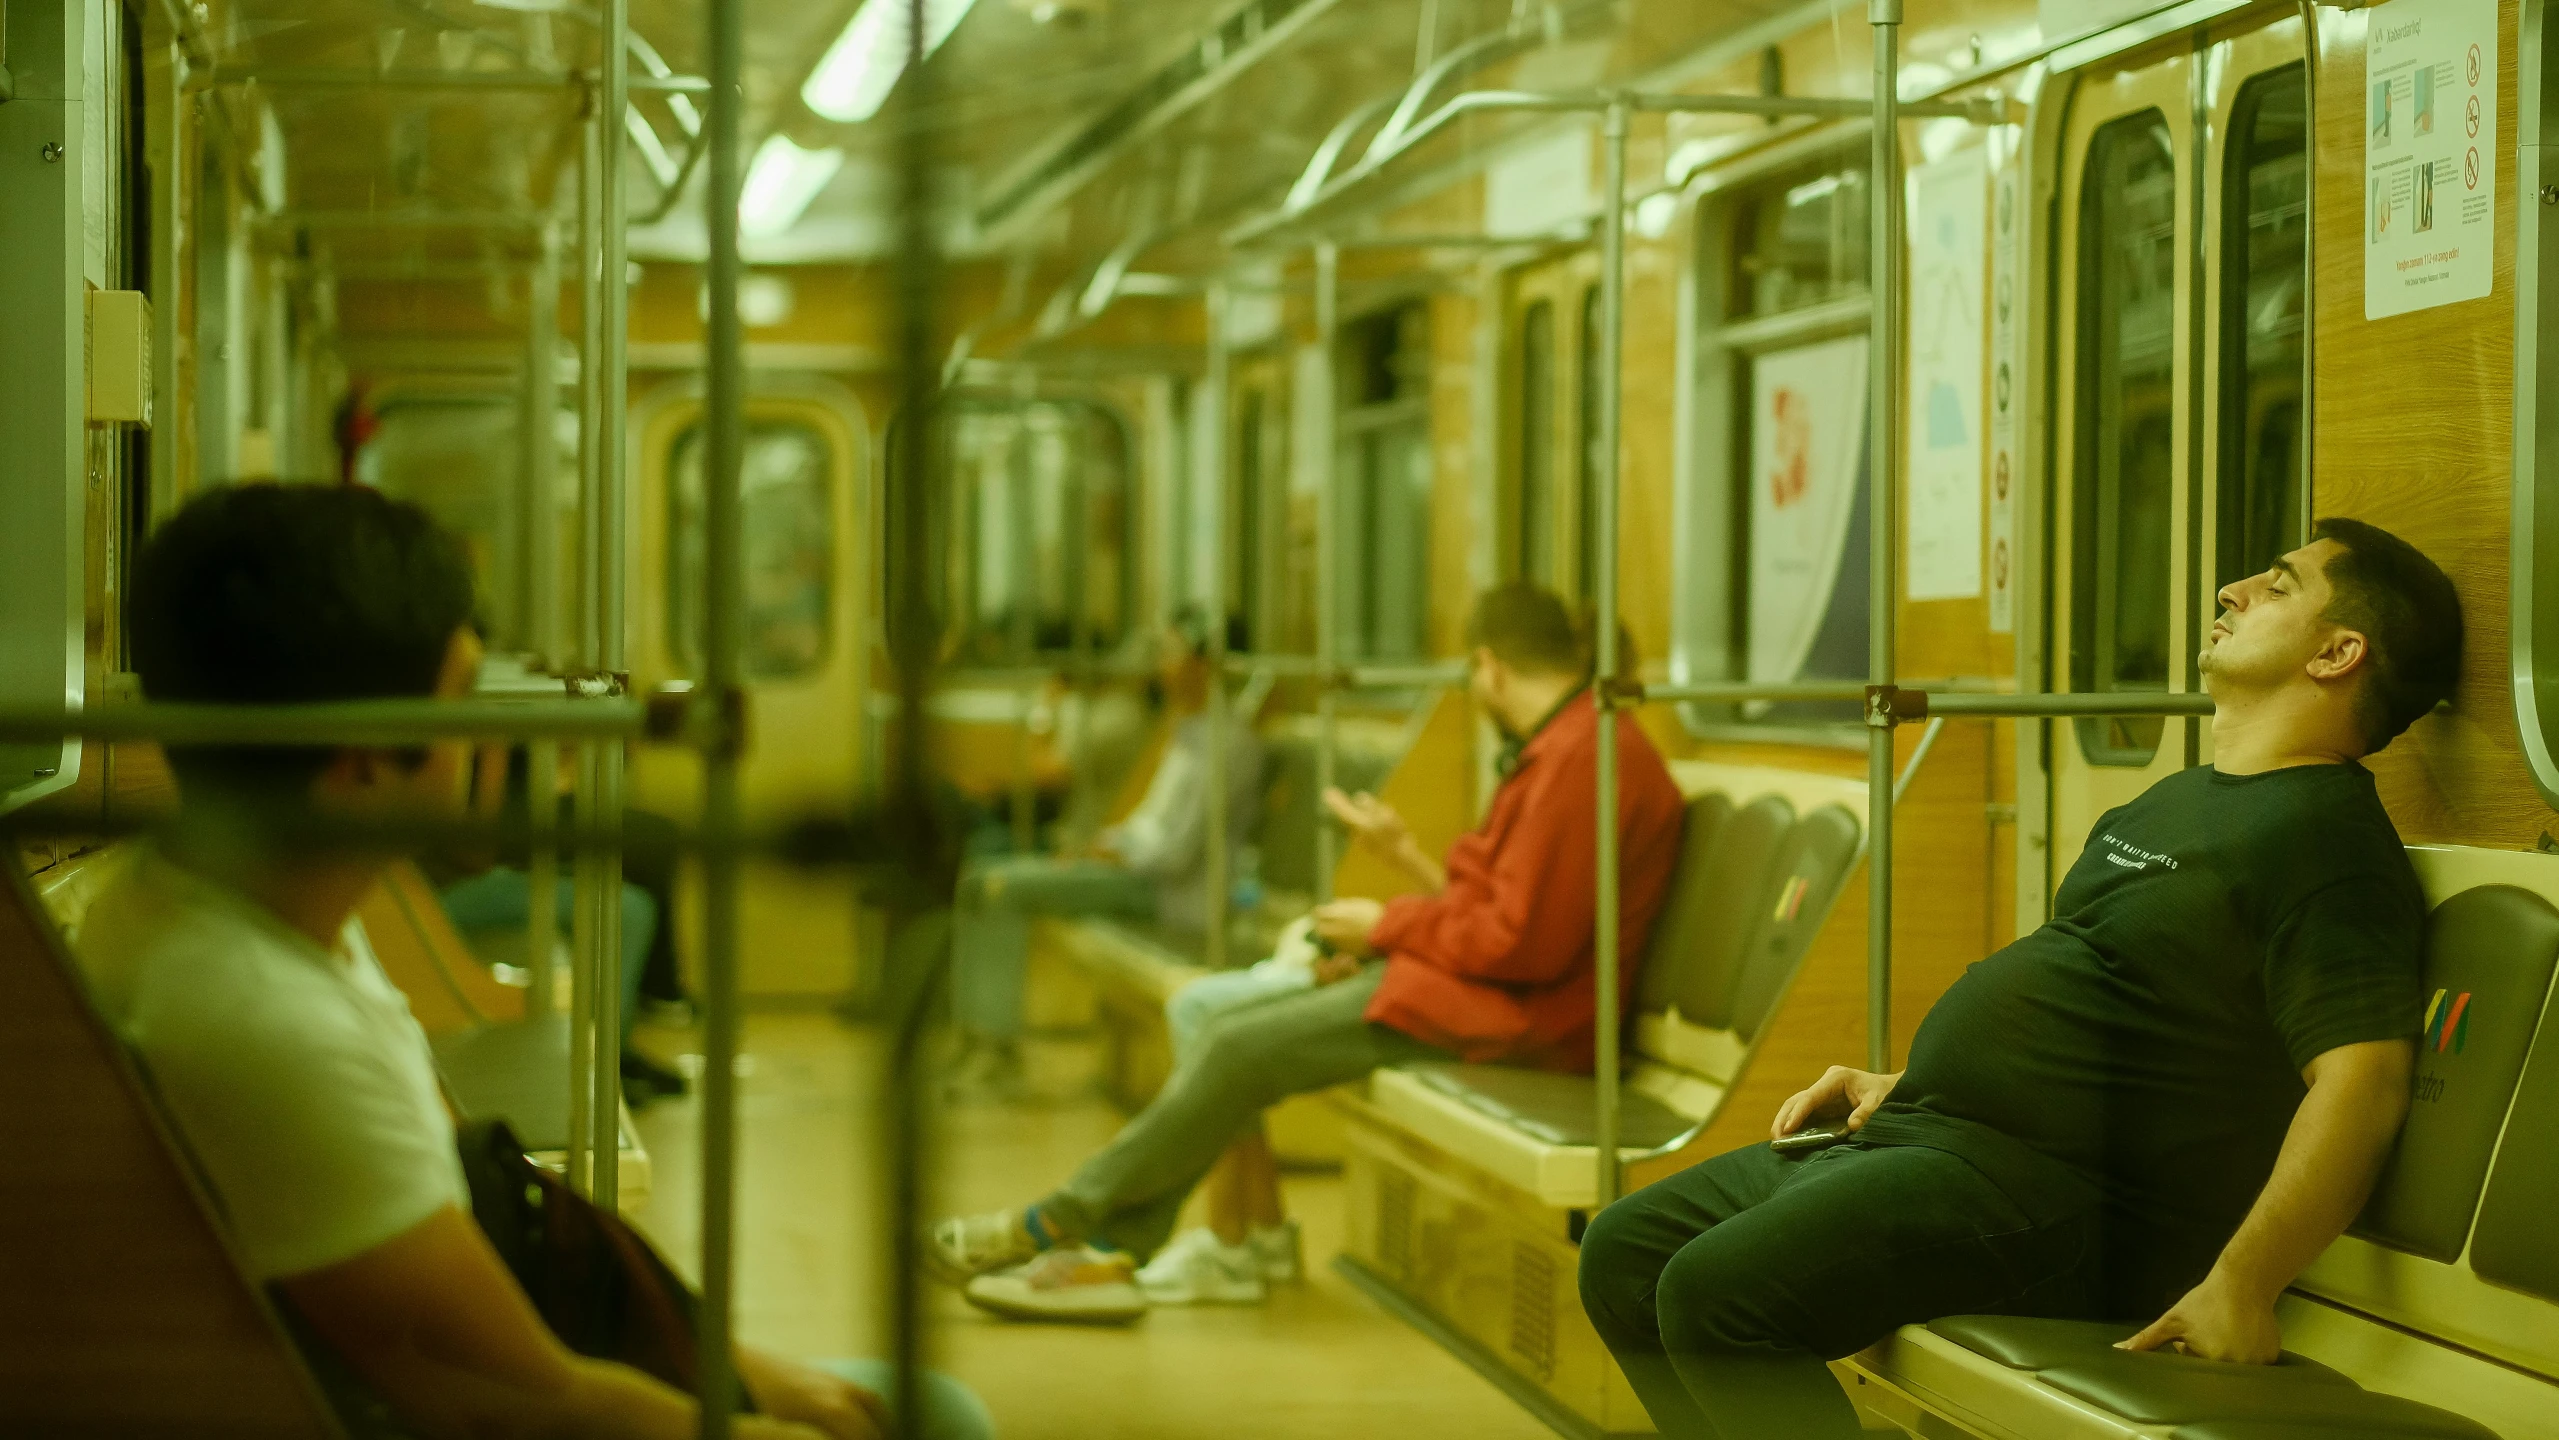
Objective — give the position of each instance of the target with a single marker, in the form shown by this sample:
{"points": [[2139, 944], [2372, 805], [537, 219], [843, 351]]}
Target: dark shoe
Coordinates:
{"points": [[645, 1080]]}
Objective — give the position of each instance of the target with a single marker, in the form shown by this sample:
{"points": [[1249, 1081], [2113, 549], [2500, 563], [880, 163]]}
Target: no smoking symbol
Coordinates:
{"points": [[2470, 117], [2470, 169]]}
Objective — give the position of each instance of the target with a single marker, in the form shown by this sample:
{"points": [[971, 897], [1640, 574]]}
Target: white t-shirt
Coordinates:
{"points": [[296, 1075]]}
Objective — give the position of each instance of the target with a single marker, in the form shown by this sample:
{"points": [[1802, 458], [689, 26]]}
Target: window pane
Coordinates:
{"points": [[786, 510], [1245, 561], [2126, 402], [2264, 280], [1039, 548], [1536, 559], [1801, 242], [1383, 520]]}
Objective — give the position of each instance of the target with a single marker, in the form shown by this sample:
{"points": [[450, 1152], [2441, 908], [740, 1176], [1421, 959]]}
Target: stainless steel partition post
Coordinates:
{"points": [[538, 603], [1209, 491], [1883, 448], [586, 889], [611, 597], [1328, 617], [722, 419], [1612, 316]]}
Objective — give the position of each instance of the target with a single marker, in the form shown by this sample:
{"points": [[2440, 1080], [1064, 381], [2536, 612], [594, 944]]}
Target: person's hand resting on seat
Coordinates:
{"points": [[790, 1391], [1377, 825], [1840, 1095], [2216, 1321], [1342, 926]]}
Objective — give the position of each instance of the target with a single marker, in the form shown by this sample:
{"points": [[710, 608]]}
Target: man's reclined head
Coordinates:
{"points": [[278, 594], [2340, 645]]}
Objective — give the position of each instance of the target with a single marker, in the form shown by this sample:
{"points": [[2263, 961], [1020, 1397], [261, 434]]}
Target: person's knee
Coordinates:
{"points": [[1617, 1275], [1724, 1299], [952, 1411], [639, 913]]}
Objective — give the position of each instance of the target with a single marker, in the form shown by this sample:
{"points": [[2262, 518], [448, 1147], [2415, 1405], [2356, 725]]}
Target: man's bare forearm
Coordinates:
{"points": [[2331, 1156]]}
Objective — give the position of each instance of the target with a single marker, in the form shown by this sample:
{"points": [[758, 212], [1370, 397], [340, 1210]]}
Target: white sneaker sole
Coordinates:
{"points": [[1236, 1292], [1084, 1305]]}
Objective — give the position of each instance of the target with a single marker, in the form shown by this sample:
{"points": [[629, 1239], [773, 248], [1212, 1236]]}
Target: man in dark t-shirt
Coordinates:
{"points": [[2165, 1102]]}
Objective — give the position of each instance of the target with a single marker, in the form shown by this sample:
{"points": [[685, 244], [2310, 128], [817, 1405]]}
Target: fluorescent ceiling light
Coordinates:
{"points": [[780, 184], [854, 79]]}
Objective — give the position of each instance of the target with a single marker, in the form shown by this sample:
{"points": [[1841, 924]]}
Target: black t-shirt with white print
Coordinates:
{"points": [[2216, 935]]}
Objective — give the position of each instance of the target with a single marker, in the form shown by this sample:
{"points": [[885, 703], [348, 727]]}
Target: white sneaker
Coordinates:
{"points": [[966, 1246], [1200, 1269], [1073, 1284], [1281, 1251]]}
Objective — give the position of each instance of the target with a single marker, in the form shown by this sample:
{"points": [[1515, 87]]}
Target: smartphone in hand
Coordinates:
{"points": [[1818, 1137]]}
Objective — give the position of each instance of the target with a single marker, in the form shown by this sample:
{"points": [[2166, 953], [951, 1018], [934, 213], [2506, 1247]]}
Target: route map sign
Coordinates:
{"points": [[2430, 154]]}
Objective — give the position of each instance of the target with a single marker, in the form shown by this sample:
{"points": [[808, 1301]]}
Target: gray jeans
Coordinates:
{"points": [[1130, 1194], [991, 931]]}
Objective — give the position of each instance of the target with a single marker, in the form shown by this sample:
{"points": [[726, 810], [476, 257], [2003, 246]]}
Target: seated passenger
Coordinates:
{"points": [[2163, 1103], [230, 960], [1151, 866], [1494, 965]]}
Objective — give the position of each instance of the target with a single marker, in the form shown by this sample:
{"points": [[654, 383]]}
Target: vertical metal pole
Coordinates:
{"points": [[1612, 354], [1211, 495], [590, 899], [612, 502], [723, 424], [1328, 647], [537, 553], [922, 947], [1883, 469]]}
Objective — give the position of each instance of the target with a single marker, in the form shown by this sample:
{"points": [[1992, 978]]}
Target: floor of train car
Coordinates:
{"points": [[1319, 1360]]}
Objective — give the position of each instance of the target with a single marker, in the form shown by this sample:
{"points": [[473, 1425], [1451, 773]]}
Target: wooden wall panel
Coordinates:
{"points": [[2413, 421], [1453, 519], [1433, 788]]}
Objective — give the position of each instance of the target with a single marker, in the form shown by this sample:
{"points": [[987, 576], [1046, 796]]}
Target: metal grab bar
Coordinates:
{"points": [[668, 717], [2061, 706], [1303, 201]]}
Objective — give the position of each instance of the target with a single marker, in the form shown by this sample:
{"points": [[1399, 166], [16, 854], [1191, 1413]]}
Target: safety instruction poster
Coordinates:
{"points": [[2430, 154], [1808, 432], [1948, 263]]}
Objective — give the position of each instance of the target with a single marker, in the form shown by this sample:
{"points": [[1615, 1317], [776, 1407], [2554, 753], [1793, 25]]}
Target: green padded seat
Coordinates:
{"points": [[1694, 957], [2375, 1427], [2025, 1342], [2489, 952], [1811, 866], [2198, 1391], [2516, 1245], [1551, 1107]]}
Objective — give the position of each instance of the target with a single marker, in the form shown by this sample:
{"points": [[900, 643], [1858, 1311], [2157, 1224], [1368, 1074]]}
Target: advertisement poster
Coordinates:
{"points": [[1808, 450], [2430, 154], [1948, 262]]}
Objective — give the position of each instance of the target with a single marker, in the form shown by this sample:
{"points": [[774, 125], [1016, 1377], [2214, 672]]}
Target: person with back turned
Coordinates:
{"points": [[2161, 1105], [230, 959]]}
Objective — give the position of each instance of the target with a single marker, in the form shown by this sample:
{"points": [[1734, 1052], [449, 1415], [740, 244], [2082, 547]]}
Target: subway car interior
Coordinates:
{"points": [[1744, 719]]}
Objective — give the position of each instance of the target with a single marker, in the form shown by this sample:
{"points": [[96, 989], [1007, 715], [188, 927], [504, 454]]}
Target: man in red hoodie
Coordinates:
{"points": [[1493, 965]]}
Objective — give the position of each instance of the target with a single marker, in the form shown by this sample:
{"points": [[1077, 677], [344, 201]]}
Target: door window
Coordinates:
{"points": [[1536, 556], [2264, 285], [787, 513], [2125, 471]]}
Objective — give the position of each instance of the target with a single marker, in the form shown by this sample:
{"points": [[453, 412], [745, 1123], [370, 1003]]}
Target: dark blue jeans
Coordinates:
{"points": [[1722, 1289]]}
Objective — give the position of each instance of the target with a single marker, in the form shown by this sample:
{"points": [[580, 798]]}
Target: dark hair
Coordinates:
{"points": [[278, 594], [2408, 613], [1528, 628]]}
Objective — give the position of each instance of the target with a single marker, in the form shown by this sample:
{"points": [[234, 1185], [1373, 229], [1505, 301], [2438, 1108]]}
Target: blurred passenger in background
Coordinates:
{"points": [[1492, 963], [231, 961], [1151, 867]]}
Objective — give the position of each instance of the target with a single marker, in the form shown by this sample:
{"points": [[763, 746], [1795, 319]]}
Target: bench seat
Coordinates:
{"points": [[1532, 1128], [2431, 1320]]}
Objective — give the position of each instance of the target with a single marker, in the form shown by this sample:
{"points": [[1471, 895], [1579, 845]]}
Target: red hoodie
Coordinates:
{"points": [[1498, 966]]}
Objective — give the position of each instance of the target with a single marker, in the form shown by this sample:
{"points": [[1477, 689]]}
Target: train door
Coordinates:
{"points": [[1552, 374], [2178, 416], [807, 637]]}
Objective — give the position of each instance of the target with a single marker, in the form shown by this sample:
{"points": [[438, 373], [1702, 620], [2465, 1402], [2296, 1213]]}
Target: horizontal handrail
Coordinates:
{"points": [[1994, 705], [1405, 677], [1742, 691], [1986, 110], [665, 716]]}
